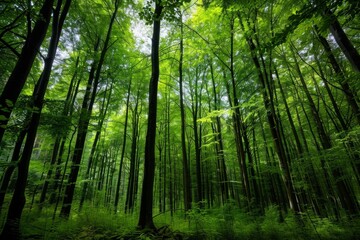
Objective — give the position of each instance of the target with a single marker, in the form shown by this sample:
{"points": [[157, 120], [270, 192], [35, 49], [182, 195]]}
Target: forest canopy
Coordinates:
{"points": [[179, 119]]}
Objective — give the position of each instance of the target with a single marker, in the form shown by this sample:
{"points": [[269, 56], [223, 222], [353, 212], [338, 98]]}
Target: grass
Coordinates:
{"points": [[226, 223]]}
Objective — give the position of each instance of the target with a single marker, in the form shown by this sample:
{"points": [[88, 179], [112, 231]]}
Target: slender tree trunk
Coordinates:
{"points": [[80, 140], [350, 96], [23, 65], [146, 205], [273, 122], [342, 40], [12, 223], [103, 112], [348, 201], [117, 191], [12, 166], [292, 125], [57, 143], [85, 115], [195, 95], [168, 152], [130, 196], [58, 178], [185, 162]]}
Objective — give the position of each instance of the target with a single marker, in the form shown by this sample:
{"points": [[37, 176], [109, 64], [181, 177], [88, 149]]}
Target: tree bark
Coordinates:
{"points": [[12, 166], [130, 195], [103, 112], [350, 96], [273, 122], [117, 191], [344, 192], [342, 40], [12, 223], [85, 115], [24, 64], [83, 123], [186, 170], [146, 205], [58, 140]]}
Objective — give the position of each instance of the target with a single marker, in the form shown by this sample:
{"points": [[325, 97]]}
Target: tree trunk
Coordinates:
{"points": [[103, 112], [195, 112], [273, 122], [85, 115], [80, 140], [342, 40], [130, 195], [24, 64], [117, 191], [12, 166], [350, 96], [146, 205], [58, 140], [347, 200], [12, 223], [186, 170]]}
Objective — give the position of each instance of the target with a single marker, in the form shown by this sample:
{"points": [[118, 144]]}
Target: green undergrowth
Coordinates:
{"points": [[227, 222]]}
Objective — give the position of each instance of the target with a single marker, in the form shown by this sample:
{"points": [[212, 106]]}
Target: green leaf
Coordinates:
{"points": [[9, 103]]}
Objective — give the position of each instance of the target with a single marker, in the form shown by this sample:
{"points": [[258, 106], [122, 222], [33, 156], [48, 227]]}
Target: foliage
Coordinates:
{"points": [[256, 79], [225, 223]]}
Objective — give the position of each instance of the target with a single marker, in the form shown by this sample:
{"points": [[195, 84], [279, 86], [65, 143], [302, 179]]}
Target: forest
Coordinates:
{"points": [[179, 119]]}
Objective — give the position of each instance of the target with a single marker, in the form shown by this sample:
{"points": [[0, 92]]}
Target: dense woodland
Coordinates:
{"points": [[180, 119]]}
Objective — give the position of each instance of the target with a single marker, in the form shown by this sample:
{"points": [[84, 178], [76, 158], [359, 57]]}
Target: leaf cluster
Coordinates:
{"points": [[171, 11]]}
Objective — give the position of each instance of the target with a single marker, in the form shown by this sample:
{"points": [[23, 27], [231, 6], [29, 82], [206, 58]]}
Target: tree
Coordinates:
{"points": [[186, 170], [86, 110], [146, 205], [11, 228], [19, 74]]}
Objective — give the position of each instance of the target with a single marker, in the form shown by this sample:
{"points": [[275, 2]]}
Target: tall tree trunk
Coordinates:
{"points": [[168, 152], [58, 178], [57, 143], [17, 203], [348, 201], [185, 162], [195, 112], [291, 121], [240, 131], [103, 112], [117, 191], [342, 40], [80, 139], [273, 122], [350, 96], [130, 195], [12, 166], [18, 76], [146, 205], [85, 115]]}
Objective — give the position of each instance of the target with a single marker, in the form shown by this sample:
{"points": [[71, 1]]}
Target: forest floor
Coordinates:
{"points": [[209, 224]]}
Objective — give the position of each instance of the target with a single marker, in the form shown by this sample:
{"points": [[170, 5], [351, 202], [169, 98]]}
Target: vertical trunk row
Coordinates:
{"points": [[103, 111], [18, 76], [344, 191], [350, 96], [57, 144], [17, 203], [84, 120], [274, 128]]}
